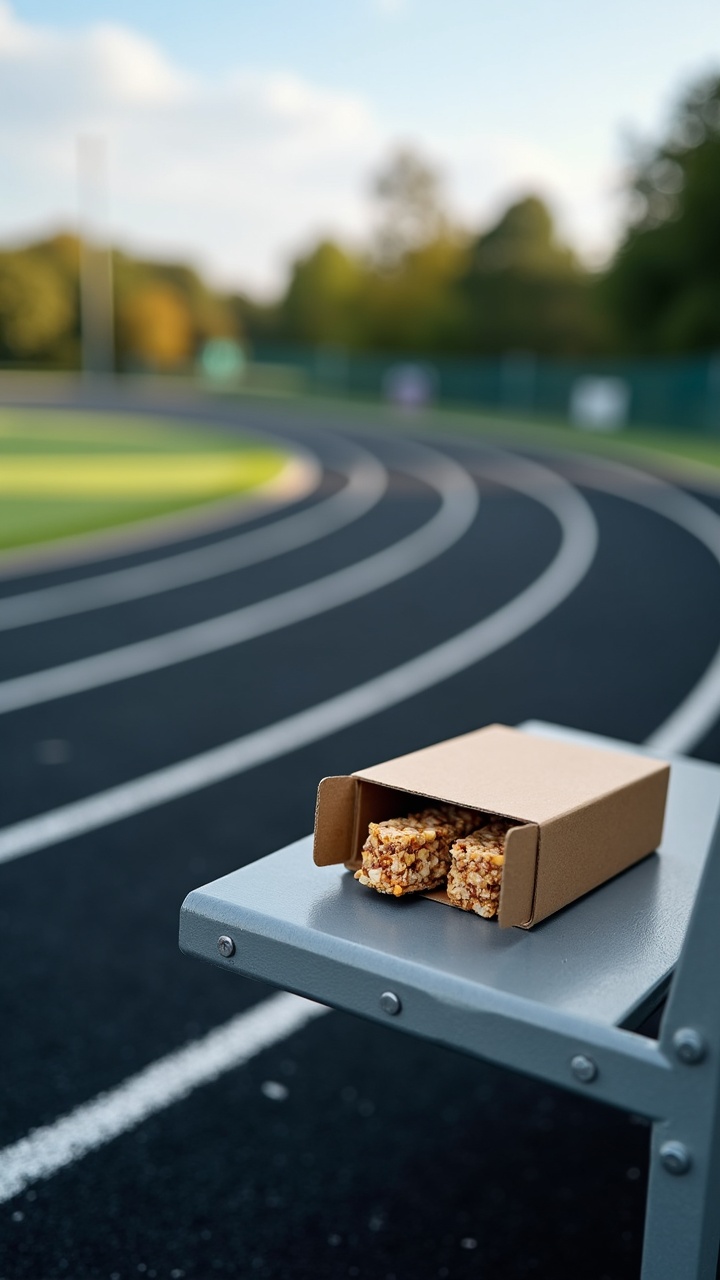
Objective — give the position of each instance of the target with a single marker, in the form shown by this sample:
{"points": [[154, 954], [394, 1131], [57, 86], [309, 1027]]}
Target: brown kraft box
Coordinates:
{"points": [[583, 813]]}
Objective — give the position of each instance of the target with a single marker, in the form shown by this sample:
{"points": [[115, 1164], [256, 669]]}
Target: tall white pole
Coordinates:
{"points": [[96, 283]]}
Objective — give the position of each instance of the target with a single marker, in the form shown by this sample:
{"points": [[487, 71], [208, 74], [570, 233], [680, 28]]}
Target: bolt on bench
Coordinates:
{"points": [[561, 1002]]}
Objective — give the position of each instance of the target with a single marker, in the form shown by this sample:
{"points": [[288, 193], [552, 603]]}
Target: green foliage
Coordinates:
{"points": [[525, 290], [409, 300], [417, 307], [663, 290], [422, 284], [322, 302], [154, 326], [523, 243], [426, 287], [36, 305], [257, 320], [164, 312]]}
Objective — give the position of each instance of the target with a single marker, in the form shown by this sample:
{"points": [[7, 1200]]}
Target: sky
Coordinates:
{"points": [[238, 133]]}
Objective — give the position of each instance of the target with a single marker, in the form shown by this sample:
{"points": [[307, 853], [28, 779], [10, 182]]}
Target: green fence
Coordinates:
{"points": [[674, 394]]}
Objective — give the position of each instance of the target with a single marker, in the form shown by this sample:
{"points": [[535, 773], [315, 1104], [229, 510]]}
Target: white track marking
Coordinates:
{"points": [[555, 584], [367, 482], [697, 713], [48, 1149], [457, 511]]}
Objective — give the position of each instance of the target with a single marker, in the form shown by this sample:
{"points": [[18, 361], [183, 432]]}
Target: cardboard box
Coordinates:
{"points": [[583, 813]]}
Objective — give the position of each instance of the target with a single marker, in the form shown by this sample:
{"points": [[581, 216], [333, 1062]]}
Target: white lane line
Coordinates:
{"points": [[459, 504], [53, 1146], [699, 710], [367, 482], [555, 584]]}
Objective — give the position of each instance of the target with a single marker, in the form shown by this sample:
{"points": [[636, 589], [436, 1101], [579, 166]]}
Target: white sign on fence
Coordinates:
{"points": [[599, 404]]}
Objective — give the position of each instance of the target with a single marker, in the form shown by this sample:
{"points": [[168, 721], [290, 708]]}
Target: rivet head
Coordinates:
{"points": [[226, 946], [675, 1157], [390, 1003], [583, 1068], [689, 1045]]}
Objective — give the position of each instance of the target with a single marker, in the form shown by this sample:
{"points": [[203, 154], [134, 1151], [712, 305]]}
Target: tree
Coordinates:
{"points": [[36, 306], [155, 327], [211, 312], [408, 193], [252, 320], [417, 306], [397, 296], [525, 290], [149, 294], [321, 304], [663, 289], [523, 243], [39, 307]]}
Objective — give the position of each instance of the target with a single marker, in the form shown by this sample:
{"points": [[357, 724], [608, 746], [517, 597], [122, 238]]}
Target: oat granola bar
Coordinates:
{"points": [[475, 875], [407, 855]]}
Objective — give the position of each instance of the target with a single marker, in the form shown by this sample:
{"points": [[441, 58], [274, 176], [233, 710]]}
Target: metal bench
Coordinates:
{"points": [[562, 1002]]}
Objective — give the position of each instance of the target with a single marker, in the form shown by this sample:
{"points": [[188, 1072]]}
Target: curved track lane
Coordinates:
{"points": [[459, 502], [579, 540], [516, 613]]}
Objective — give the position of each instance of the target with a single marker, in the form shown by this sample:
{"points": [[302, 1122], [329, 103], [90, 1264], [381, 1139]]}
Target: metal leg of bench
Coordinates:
{"points": [[682, 1226], [682, 1221]]}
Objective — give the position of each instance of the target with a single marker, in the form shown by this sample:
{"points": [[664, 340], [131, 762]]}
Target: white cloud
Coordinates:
{"points": [[234, 174], [229, 172]]}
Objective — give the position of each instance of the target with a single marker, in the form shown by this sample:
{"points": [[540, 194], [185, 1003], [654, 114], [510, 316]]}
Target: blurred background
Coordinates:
{"points": [[523, 209]]}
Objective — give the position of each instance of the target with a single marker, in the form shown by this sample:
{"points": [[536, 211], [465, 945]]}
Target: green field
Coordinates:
{"points": [[64, 473]]}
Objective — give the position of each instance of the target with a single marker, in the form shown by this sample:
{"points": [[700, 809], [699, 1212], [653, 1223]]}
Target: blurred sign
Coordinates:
{"points": [[222, 360], [409, 385], [599, 404]]}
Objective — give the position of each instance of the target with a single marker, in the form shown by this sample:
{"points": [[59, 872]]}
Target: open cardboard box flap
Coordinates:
{"points": [[583, 813]]}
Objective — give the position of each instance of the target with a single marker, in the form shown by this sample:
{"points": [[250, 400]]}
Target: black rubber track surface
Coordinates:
{"points": [[387, 1158]]}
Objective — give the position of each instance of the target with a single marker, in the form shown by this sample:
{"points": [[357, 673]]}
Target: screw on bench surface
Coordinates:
{"points": [[583, 1068], [390, 1003], [226, 946], [675, 1157], [689, 1045]]}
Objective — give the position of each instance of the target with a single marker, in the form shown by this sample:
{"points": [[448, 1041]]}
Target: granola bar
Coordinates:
{"points": [[475, 875], [408, 855]]}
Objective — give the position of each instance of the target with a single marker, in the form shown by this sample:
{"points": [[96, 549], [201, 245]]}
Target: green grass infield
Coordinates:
{"points": [[64, 473]]}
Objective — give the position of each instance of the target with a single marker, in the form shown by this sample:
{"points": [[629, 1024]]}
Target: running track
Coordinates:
{"points": [[161, 1119]]}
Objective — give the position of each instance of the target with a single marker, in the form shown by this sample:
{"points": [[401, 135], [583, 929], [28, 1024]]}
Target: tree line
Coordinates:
{"points": [[423, 284]]}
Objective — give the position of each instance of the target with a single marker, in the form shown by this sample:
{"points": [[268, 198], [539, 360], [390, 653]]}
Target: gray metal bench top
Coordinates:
{"points": [[551, 1000]]}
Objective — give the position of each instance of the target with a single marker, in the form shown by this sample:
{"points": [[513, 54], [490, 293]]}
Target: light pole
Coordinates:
{"points": [[96, 283]]}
